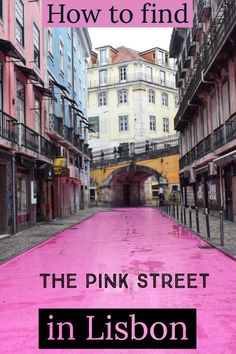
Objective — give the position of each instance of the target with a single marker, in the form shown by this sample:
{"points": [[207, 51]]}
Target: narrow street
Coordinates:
{"points": [[123, 241]]}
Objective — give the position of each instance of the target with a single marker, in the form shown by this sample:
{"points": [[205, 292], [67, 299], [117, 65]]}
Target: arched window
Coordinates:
{"points": [[102, 99], [151, 94], [123, 96], [164, 99]]}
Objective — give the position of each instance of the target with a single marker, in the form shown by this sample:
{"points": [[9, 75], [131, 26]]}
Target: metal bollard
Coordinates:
{"points": [[197, 220], [181, 213], [174, 210], [190, 217], [207, 223], [222, 236], [184, 216], [177, 211]]}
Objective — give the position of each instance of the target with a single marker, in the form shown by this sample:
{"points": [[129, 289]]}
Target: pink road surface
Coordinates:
{"points": [[124, 240]]}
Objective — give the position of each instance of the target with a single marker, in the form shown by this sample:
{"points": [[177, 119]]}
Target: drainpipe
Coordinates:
{"points": [[221, 208]]}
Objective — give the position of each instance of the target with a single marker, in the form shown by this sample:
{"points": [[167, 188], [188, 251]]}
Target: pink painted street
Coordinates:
{"points": [[133, 241]]}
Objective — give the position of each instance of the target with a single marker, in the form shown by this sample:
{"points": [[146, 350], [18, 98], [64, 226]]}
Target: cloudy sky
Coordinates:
{"points": [[136, 38]]}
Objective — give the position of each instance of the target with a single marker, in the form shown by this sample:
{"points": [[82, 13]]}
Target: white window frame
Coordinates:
{"points": [[123, 96], [152, 123], [103, 57], [20, 27], [149, 73], [69, 70], [36, 44], [103, 77], [50, 41], [123, 124], [102, 99], [151, 96], [162, 77], [123, 73], [61, 55], [165, 99], [166, 125]]}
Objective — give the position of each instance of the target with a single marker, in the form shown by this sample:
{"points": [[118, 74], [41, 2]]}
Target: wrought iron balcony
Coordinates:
{"points": [[204, 147], [48, 149], [225, 132], [68, 134], [56, 128], [197, 29], [29, 138], [8, 127], [203, 10]]}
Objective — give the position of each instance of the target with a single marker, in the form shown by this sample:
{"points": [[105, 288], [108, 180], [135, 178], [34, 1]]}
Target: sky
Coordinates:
{"points": [[136, 38]]}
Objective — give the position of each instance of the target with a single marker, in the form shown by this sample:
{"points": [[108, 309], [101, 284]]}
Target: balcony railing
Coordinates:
{"points": [[8, 127], [56, 124], [221, 27], [68, 134], [190, 45], [131, 78], [29, 138], [48, 149], [203, 10], [225, 132]]}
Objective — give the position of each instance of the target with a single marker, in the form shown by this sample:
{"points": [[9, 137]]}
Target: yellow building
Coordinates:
{"points": [[131, 96]]}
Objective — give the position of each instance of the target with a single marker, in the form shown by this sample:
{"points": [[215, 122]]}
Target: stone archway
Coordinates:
{"points": [[125, 185]]}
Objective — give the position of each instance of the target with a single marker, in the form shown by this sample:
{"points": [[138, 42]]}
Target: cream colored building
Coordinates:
{"points": [[131, 96]]}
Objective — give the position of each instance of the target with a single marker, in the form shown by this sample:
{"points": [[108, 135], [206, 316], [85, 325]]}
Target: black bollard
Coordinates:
{"points": [[190, 217], [177, 211], [222, 236], [197, 220], [184, 216], [207, 223]]}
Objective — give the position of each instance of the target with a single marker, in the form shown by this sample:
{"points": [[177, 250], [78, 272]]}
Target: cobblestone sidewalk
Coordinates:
{"points": [[13, 245], [214, 223]]}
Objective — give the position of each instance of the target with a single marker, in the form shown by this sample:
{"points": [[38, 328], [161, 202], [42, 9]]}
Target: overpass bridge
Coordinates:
{"points": [[132, 176]]}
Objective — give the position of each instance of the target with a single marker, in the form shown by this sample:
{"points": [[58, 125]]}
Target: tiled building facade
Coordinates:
{"points": [[206, 119], [27, 150]]}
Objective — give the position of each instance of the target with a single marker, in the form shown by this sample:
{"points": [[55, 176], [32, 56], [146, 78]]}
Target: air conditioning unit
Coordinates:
{"points": [[192, 175], [212, 169]]}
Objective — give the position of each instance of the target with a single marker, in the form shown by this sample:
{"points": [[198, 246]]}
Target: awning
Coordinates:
{"points": [[10, 50], [45, 92], [30, 74], [223, 160], [70, 100], [61, 87]]}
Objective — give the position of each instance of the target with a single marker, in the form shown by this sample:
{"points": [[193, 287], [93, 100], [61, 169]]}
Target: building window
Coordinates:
{"points": [[37, 116], [123, 74], [61, 55], [103, 56], [149, 73], [151, 95], [50, 41], [162, 78], [153, 125], [75, 79], [20, 22], [103, 77], [161, 58], [123, 96], [102, 99], [166, 125], [62, 106], [164, 99], [69, 71], [123, 123], [36, 41]]}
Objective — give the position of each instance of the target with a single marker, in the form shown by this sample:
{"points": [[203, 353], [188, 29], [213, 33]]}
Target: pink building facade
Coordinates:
{"points": [[25, 153]]}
